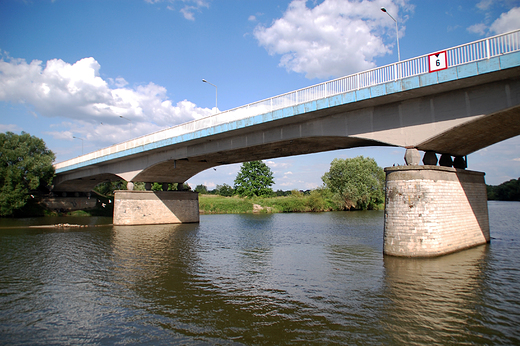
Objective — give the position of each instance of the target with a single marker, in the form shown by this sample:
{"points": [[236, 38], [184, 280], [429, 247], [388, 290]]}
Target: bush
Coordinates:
{"points": [[356, 183]]}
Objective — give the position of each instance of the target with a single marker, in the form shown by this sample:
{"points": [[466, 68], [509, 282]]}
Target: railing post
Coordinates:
{"points": [[487, 48], [325, 87]]}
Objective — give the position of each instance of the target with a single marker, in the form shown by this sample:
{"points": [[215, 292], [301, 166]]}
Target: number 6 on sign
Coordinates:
{"points": [[437, 61]]}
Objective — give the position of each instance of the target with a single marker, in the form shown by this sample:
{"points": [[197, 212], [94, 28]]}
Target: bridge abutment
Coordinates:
{"points": [[434, 210], [155, 207]]}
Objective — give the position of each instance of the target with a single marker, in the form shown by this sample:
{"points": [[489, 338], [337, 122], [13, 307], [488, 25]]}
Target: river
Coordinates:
{"points": [[270, 279]]}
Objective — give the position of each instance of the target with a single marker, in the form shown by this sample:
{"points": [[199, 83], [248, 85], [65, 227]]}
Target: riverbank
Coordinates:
{"points": [[295, 203]]}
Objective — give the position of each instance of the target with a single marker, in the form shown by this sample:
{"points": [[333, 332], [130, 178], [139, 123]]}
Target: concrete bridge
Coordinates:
{"points": [[452, 103]]}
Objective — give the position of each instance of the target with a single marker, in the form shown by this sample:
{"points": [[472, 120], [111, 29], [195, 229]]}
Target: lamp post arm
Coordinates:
{"points": [[396, 32], [216, 94]]}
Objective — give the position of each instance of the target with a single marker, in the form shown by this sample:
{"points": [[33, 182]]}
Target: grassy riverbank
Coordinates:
{"points": [[295, 203]]}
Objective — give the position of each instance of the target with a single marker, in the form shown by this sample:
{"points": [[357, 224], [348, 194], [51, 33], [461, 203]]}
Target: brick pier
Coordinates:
{"points": [[434, 210]]}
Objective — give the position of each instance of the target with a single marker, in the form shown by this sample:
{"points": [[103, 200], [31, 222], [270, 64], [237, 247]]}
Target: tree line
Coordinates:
{"points": [[507, 191], [353, 183]]}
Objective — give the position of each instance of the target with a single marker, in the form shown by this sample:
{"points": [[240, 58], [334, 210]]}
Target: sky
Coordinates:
{"points": [[86, 74]]}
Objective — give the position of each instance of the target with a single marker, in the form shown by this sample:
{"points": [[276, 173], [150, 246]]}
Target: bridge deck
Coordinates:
{"points": [[478, 58]]}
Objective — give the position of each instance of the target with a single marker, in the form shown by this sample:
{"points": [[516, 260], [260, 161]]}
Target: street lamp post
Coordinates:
{"points": [[216, 94], [396, 32], [81, 143]]}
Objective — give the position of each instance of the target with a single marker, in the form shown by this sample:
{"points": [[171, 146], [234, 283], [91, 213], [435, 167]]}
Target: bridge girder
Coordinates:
{"points": [[455, 118]]}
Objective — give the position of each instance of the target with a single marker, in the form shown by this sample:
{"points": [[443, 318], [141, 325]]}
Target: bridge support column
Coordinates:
{"points": [[155, 207], [434, 210]]}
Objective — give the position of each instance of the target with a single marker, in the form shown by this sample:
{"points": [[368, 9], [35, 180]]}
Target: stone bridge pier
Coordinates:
{"points": [[434, 210], [155, 207]]}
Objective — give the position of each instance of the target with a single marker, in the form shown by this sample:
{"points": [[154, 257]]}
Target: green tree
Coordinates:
{"points": [[202, 189], [254, 179], [175, 187], [507, 191], [107, 188], [25, 166], [225, 190], [356, 183]]}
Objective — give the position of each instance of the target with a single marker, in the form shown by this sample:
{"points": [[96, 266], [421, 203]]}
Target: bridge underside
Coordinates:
{"points": [[180, 170], [477, 134]]}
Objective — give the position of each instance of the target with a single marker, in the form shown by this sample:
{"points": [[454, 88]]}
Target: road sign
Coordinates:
{"points": [[438, 61]]}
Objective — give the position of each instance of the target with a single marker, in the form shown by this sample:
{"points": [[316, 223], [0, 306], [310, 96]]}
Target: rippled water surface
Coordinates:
{"points": [[253, 280]]}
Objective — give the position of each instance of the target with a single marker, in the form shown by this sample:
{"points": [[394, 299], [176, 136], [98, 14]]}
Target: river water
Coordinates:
{"points": [[277, 279]]}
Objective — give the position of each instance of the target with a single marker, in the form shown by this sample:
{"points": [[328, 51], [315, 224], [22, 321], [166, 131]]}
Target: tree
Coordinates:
{"points": [[254, 179], [507, 191], [202, 189], [171, 187], [356, 183], [107, 188], [225, 190], [25, 166]]}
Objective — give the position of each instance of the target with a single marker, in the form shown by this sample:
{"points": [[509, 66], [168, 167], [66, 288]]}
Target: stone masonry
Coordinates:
{"points": [[155, 207], [433, 210]]}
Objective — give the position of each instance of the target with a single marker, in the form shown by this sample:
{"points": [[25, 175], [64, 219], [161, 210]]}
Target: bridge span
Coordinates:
{"points": [[452, 103]]}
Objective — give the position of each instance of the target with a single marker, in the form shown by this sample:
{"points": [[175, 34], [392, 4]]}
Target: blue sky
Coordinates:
{"points": [[109, 71]]}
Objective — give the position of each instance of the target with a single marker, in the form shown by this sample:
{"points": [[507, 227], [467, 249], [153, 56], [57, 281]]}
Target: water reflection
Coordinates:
{"points": [[50, 284], [141, 253], [275, 279], [436, 300], [253, 279]]}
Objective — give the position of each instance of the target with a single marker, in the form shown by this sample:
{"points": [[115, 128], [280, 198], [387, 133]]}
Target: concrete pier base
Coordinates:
{"points": [[434, 210], [155, 207]]}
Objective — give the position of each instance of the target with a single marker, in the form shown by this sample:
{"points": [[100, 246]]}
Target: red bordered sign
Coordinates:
{"points": [[438, 61]]}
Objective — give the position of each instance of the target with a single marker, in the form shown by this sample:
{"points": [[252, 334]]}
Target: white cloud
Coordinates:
{"points": [[61, 134], [9, 128], [103, 111], [311, 185], [189, 6], [278, 164], [479, 29], [118, 82], [484, 4], [506, 22], [335, 38]]}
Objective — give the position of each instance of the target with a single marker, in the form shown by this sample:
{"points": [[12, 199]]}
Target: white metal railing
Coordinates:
{"points": [[463, 54]]}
